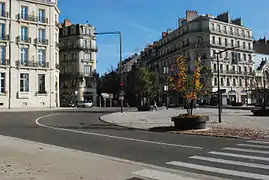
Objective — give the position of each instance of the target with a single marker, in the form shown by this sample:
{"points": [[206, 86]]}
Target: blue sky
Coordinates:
{"points": [[142, 21]]}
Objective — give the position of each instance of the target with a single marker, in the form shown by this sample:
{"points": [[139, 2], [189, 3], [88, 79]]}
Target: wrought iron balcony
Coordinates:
{"points": [[42, 20], [4, 14], [27, 17], [87, 60], [83, 74], [24, 39], [4, 62], [41, 41], [4, 38], [27, 63]]}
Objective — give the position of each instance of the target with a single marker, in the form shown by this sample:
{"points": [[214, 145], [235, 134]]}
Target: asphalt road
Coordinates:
{"points": [[84, 131]]}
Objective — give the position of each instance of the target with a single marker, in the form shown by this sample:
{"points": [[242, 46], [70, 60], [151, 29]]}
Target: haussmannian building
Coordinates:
{"points": [[204, 35], [29, 54], [77, 63]]}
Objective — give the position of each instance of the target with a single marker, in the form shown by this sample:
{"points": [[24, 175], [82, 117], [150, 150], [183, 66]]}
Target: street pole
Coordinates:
{"points": [[264, 88], [120, 66], [121, 77], [10, 52], [219, 94]]}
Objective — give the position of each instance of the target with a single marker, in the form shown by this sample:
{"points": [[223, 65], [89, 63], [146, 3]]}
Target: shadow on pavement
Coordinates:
{"points": [[162, 129], [96, 126]]}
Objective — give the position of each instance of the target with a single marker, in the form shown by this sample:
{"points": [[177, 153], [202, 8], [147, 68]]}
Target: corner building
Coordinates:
{"points": [[29, 54]]}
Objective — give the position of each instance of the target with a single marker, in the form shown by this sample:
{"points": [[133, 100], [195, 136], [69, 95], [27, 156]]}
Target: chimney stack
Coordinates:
{"points": [[67, 22]]}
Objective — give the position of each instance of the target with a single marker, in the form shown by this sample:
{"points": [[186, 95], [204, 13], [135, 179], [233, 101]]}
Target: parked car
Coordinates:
{"points": [[86, 104]]}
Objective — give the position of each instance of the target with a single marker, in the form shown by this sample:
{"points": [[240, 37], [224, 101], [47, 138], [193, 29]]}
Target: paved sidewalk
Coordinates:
{"points": [[231, 119], [27, 160]]}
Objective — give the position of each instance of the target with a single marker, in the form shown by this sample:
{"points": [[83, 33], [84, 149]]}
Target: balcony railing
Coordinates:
{"points": [[27, 63], [41, 41], [24, 39], [32, 18], [3, 14], [4, 38], [4, 62], [57, 66], [82, 74], [87, 60]]}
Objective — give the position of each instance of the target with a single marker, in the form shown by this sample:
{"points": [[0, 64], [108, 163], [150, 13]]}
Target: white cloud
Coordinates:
{"points": [[142, 27]]}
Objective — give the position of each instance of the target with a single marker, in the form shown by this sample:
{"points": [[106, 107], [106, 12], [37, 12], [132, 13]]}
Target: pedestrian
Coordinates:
{"points": [[155, 105]]}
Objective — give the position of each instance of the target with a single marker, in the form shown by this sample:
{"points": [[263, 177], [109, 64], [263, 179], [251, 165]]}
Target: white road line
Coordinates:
{"points": [[255, 146], [258, 142], [239, 156], [109, 136], [219, 170], [246, 150], [151, 174], [224, 161]]}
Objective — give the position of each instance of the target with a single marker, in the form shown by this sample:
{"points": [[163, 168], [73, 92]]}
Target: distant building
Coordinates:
{"points": [[29, 74], [204, 35], [77, 63]]}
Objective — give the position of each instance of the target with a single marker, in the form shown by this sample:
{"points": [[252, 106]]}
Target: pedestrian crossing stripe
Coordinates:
{"points": [[219, 170], [231, 162], [246, 150], [252, 145], [239, 155], [150, 174], [258, 142]]}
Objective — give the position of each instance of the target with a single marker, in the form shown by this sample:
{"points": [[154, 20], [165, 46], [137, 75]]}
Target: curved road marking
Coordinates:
{"points": [[109, 136]]}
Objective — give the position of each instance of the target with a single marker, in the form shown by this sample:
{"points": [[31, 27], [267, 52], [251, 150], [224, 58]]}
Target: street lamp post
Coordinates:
{"points": [[120, 66], [219, 93]]}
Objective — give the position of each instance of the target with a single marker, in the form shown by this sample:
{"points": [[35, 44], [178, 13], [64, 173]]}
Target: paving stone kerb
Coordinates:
{"points": [[231, 118]]}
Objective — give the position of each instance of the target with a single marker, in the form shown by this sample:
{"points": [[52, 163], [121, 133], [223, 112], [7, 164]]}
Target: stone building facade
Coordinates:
{"points": [[77, 63], [29, 54], [204, 35]]}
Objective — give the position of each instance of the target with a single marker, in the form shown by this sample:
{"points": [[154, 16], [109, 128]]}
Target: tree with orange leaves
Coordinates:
{"points": [[188, 84]]}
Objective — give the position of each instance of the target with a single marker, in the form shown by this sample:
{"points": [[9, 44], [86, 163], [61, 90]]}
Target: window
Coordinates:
{"points": [[244, 45], [41, 56], [213, 40], [2, 30], [41, 83], [238, 44], [220, 41], [226, 42], [232, 42], [240, 82], [89, 32], [219, 28], [234, 82], [24, 33], [239, 69], [215, 81], [2, 55], [250, 69], [2, 82], [200, 39], [24, 55], [248, 34], [233, 68], [239, 56], [226, 54], [24, 12], [231, 30], [41, 15], [228, 82], [250, 58], [249, 46], [41, 35], [243, 33], [237, 32], [227, 68], [221, 68], [244, 57], [221, 82], [24, 82], [225, 29], [215, 67], [2, 9], [87, 69], [245, 69], [213, 26]]}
